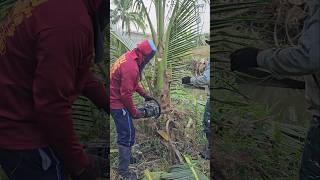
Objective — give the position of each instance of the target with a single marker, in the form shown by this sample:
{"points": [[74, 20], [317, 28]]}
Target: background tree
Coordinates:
{"points": [[125, 14]]}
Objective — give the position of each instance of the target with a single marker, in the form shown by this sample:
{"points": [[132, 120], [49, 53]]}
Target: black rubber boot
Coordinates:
{"points": [[124, 161], [205, 154], [129, 176]]}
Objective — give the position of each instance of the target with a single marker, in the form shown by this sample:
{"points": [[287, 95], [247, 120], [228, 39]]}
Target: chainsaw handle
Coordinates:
{"points": [[153, 99]]}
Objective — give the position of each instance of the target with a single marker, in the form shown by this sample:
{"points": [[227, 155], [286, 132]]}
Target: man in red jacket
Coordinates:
{"points": [[46, 48], [124, 81]]}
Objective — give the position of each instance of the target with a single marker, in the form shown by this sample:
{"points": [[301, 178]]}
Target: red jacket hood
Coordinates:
{"points": [[143, 53]]}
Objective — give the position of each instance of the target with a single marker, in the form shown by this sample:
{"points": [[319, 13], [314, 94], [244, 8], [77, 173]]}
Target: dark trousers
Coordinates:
{"points": [[124, 126], [35, 164], [206, 123], [206, 118], [310, 163], [126, 137]]}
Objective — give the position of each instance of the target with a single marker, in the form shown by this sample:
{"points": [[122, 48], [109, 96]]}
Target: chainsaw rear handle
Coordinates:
{"points": [[153, 99]]}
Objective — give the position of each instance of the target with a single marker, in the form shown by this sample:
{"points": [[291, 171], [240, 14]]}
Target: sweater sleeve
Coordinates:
{"points": [[96, 92], [302, 59], [129, 79], [61, 52], [140, 90], [204, 80]]}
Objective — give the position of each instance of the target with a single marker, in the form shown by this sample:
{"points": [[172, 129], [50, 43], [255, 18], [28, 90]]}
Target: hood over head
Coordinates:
{"points": [[145, 52]]}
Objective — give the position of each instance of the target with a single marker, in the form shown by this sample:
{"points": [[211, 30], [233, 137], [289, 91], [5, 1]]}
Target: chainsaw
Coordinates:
{"points": [[151, 109]]}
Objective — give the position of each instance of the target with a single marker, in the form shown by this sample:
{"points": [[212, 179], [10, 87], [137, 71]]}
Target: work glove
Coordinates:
{"points": [[140, 114], [186, 80], [148, 98], [243, 59], [96, 169]]}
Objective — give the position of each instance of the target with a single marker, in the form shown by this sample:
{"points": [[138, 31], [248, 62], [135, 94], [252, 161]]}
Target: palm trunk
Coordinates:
{"points": [[161, 64], [159, 77]]}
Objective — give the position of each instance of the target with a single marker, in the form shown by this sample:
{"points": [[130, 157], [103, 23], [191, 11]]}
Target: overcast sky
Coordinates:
{"points": [[205, 15]]}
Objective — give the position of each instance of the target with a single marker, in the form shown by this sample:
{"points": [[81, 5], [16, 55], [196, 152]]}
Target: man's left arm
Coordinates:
{"points": [[95, 91], [299, 60], [140, 90], [201, 81]]}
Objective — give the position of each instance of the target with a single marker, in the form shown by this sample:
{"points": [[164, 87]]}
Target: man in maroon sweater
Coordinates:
{"points": [[124, 81], [46, 48]]}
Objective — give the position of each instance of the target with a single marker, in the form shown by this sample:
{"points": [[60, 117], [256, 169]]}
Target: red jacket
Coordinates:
{"points": [[125, 76], [46, 49]]}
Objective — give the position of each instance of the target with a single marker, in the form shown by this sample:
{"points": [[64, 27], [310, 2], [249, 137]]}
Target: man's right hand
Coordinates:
{"points": [[148, 98], [244, 58], [186, 80], [97, 168], [140, 114]]}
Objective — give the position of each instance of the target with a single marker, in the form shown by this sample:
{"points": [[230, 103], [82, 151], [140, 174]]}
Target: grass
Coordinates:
{"points": [[2, 175], [153, 151], [249, 143]]}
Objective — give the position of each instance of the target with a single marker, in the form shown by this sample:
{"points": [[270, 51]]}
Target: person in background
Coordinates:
{"points": [[46, 50], [203, 81], [125, 75], [300, 60]]}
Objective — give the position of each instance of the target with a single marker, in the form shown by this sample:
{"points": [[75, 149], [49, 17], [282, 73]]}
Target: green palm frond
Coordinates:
{"points": [[119, 43], [226, 16], [183, 172], [181, 37], [187, 171], [126, 14], [89, 122], [231, 7], [224, 39], [82, 111], [5, 6]]}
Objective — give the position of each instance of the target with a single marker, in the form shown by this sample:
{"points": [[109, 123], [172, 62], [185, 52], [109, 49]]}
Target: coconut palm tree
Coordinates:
{"points": [[125, 14]]}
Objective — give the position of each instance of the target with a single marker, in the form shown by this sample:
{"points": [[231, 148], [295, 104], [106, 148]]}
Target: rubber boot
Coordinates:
{"points": [[124, 161], [207, 151]]}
